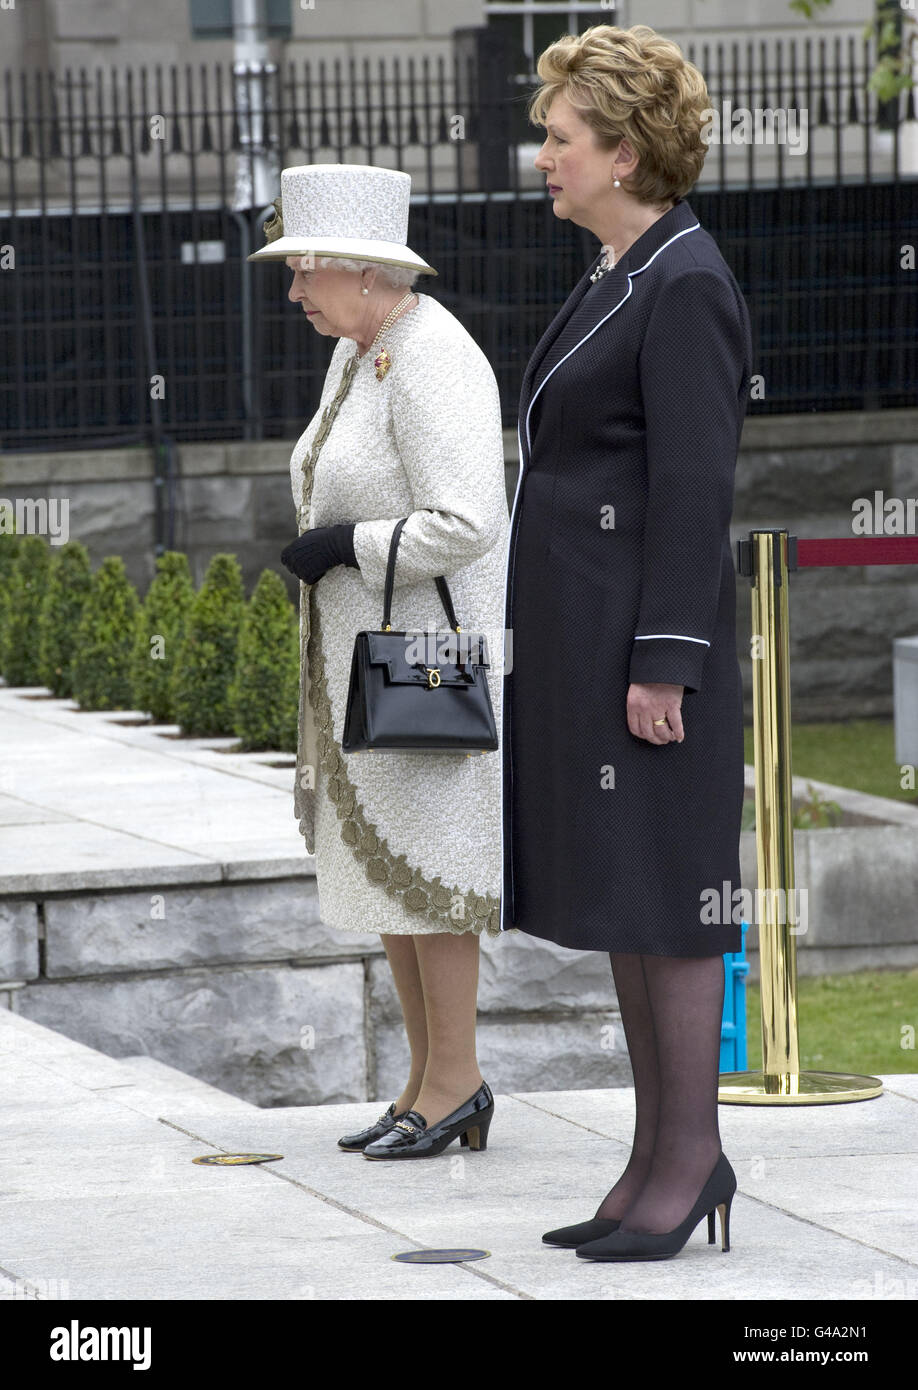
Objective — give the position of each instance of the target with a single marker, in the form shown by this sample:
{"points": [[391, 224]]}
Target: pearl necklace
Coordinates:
{"points": [[383, 361]]}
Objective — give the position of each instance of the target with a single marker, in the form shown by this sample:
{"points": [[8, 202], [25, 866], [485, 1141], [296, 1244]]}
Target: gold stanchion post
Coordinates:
{"points": [[780, 1082]]}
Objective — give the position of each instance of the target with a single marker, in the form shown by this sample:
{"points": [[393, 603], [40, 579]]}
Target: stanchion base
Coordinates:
{"points": [[804, 1088]]}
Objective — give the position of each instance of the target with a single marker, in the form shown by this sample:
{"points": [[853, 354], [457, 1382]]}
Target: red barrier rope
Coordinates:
{"points": [[858, 550]]}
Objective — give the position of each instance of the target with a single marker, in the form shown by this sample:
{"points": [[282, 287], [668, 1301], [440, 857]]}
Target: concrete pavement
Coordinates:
{"points": [[99, 1198]]}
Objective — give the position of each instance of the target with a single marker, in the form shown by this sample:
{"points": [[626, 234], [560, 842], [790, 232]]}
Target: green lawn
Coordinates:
{"points": [[858, 754], [856, 1023], [860, 1022]]}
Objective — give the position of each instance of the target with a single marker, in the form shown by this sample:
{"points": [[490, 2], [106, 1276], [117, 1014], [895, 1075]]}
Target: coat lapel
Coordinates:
{"points": [[589, 305], [551, 333]]}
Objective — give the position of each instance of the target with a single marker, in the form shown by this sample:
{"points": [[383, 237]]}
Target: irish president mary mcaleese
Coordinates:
{"points": [[620, 570]]}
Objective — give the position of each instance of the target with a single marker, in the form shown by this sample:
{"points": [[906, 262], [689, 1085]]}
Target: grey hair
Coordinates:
{"points": [[396, 275]]}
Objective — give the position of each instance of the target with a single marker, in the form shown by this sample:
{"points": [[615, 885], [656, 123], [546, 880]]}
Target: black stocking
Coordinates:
{"points": [[685, 996], [637, 1022]]}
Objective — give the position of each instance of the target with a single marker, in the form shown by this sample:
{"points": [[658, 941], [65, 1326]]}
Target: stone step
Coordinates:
{"points": [[159, 1079]]}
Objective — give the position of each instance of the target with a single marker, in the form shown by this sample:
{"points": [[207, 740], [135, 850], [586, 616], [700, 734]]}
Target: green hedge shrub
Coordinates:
{"points": [[25, 591], [264, 695], [220, 666], [9, 550], [160, 632], [69, 583], [105, 640], [207, 659]]}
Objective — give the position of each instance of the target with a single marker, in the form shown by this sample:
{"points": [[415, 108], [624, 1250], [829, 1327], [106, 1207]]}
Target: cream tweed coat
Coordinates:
{"points": [[404, 842]]}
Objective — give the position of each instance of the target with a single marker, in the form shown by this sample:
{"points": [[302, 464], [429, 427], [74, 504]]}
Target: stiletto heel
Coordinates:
{"points": [[724, 1210], [710, 1228]]}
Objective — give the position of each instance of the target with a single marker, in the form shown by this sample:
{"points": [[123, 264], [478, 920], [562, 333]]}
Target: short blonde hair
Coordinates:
{"points": [[632, 84]]}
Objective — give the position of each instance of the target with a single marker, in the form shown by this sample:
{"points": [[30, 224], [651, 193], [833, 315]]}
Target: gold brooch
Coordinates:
{"points": [[382, 363]]}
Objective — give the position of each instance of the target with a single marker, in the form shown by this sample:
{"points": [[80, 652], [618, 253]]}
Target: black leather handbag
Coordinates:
{"points": [[397, 703]]}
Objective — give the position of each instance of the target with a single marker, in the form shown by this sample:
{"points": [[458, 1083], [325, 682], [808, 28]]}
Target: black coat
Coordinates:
{"points": [[633, 400]]}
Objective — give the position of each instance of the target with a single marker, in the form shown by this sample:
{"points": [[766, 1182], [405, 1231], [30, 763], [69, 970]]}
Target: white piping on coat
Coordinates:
{"points": [[646, 637], [631, 273], [503, 896]]}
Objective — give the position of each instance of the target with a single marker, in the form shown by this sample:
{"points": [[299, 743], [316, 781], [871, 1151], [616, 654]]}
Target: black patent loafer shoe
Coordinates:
{"points": [[356, 1143], [411, 1137], [572, 1236]]}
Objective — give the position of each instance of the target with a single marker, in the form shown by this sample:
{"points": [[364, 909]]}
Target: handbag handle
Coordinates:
{"points": [[440, 582]]}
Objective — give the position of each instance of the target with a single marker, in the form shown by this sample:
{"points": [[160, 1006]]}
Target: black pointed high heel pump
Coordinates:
{"points": [[716, 1195], [571, 1236]]}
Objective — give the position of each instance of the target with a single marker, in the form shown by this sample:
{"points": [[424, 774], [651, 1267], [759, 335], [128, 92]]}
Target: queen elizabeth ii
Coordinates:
{"points": [[406, 845]]}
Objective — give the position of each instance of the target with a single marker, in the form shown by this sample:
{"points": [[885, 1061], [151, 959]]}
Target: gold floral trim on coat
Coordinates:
{"points": [[325, 424], [428, 898], [274, 227]]}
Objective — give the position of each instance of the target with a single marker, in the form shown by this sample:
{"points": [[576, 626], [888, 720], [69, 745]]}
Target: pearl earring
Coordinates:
{"points": [[616, 183], [364, 290]]}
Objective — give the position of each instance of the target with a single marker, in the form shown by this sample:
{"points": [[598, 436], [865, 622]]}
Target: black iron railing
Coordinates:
{"points": [[129, 200]]}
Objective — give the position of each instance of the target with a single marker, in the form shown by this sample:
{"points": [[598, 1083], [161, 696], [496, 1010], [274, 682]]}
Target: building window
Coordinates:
{"points": [[213, 19], [531, 25]]}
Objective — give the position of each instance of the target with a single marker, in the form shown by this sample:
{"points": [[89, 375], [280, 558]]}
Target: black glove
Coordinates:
{"points": [[319, 550]]}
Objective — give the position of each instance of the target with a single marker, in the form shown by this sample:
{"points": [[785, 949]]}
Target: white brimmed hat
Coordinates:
{"points": [[357, 210]]}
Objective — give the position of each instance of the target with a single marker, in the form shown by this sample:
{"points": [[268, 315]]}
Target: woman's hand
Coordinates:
{"points": [[318, 550], [657, 701]]}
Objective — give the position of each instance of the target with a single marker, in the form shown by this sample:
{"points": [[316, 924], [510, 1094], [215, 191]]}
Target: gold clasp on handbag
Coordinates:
{"points": [[432, 671]]}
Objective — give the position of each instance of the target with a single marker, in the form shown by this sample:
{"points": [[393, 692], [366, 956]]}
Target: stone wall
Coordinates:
{"points": [[799, 471], [241, 984], [804, 472]]}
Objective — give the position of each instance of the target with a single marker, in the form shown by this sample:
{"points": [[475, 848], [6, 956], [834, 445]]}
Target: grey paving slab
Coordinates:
{"points": [[48, 1058], [44, 1071], [259, 1238], [68, 1119], [107, 1201], [100, 1198], [903, 1085], [85, 1075], [770, 1257], [15, 811], [32, 1040], [88, 855], [140, 1168], [88, 800], [278, 864], [124, 727], [30, 1081], [881, 1214], [540, 1172], [273, 846], [882, 1125], [157, 1082], [610, 1114]]}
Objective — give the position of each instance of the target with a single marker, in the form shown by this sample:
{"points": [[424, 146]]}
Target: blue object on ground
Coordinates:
{"points": [[733, 1025]]}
